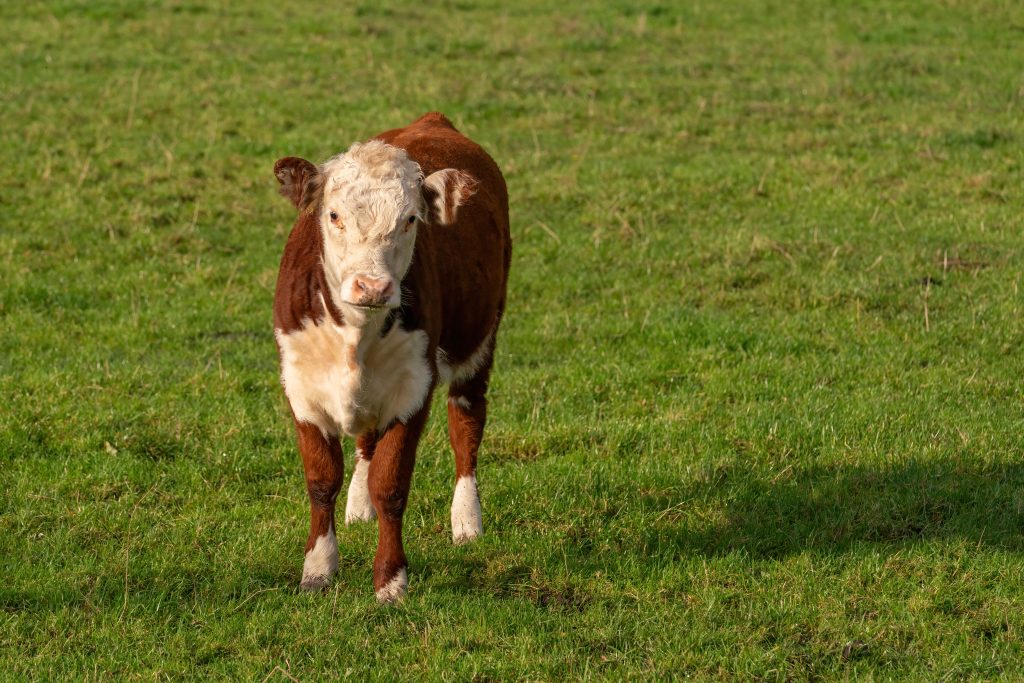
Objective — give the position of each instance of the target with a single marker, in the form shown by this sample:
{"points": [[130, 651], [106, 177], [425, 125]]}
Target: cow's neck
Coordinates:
{"points": [[359, 331]]}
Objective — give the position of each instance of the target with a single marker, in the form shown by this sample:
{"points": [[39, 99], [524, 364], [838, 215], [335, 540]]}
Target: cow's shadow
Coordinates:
{"points": [[827, 511], [834, 508]]}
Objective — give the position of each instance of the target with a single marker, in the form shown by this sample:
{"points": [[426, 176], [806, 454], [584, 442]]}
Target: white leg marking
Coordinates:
{"points": [[359, 507], [465, 370], [460, 401], [467, 522], [394, 590], [321, 562]]}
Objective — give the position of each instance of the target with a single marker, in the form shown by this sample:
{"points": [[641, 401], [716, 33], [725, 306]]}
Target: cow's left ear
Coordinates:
{"points": [[298, 179], [445, 191]]}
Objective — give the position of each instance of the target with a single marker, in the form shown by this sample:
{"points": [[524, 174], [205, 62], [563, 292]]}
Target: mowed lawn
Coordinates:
{"points": [[758, 407]]}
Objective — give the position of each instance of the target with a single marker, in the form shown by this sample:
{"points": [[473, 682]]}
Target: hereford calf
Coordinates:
{"points": [[392, 280]]}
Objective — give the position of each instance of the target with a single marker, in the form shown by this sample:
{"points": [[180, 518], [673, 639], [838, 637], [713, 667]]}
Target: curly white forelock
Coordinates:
{"points": [[374, 180]]}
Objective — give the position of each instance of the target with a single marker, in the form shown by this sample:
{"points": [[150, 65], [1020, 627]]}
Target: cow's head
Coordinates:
{"points": [[370, 201]]}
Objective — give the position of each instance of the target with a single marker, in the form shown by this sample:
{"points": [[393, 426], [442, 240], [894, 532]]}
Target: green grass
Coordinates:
{"points": [[757, 411]]}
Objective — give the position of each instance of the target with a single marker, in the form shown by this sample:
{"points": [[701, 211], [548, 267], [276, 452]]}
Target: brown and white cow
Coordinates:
{"points": [[392, 281]]}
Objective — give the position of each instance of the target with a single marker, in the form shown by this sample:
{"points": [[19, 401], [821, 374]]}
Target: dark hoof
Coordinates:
{"points": [[315, 584]]}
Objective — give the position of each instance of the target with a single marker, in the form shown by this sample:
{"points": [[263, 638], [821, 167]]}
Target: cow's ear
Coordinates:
{"points": [[301, 182], [445, 191]]}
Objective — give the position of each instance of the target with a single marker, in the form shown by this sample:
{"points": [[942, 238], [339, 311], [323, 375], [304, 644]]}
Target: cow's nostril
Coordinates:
{"points": [[373, 290]]}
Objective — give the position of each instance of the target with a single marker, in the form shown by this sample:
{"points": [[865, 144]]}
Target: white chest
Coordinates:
{"points": [[352, 380]]}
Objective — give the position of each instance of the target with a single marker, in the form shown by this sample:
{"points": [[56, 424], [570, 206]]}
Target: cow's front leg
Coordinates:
{"points": [[322, 460], [358, 506], [390, 477]]}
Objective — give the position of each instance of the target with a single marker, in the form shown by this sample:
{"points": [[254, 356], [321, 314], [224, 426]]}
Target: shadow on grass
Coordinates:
{"points": [[834, 508], [718, 511], [735, 509]]}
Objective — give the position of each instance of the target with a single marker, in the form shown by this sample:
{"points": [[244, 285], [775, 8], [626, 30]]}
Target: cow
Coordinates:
{"points": [[392, 282]]}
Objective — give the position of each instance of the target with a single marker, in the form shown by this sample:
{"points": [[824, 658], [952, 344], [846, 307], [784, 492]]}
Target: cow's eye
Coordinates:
{"points": [[412, 219], [334, 215]]}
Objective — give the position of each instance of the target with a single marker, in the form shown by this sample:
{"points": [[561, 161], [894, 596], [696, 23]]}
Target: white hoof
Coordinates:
{"points": [[395, 589], [358, 506], [467, 522], [321, 563]]}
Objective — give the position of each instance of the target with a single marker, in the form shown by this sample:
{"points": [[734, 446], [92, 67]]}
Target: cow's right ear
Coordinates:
{"points": [[301, 182]]}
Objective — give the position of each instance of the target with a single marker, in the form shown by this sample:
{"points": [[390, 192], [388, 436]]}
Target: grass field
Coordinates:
{"points": [[757, 411]]}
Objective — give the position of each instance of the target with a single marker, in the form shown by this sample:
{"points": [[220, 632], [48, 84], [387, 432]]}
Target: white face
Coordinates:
{"points": [[372, 204]]}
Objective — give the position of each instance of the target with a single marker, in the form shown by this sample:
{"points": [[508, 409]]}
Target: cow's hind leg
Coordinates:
{"points": [[358, 505], [467, 414], [322, 460]]}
